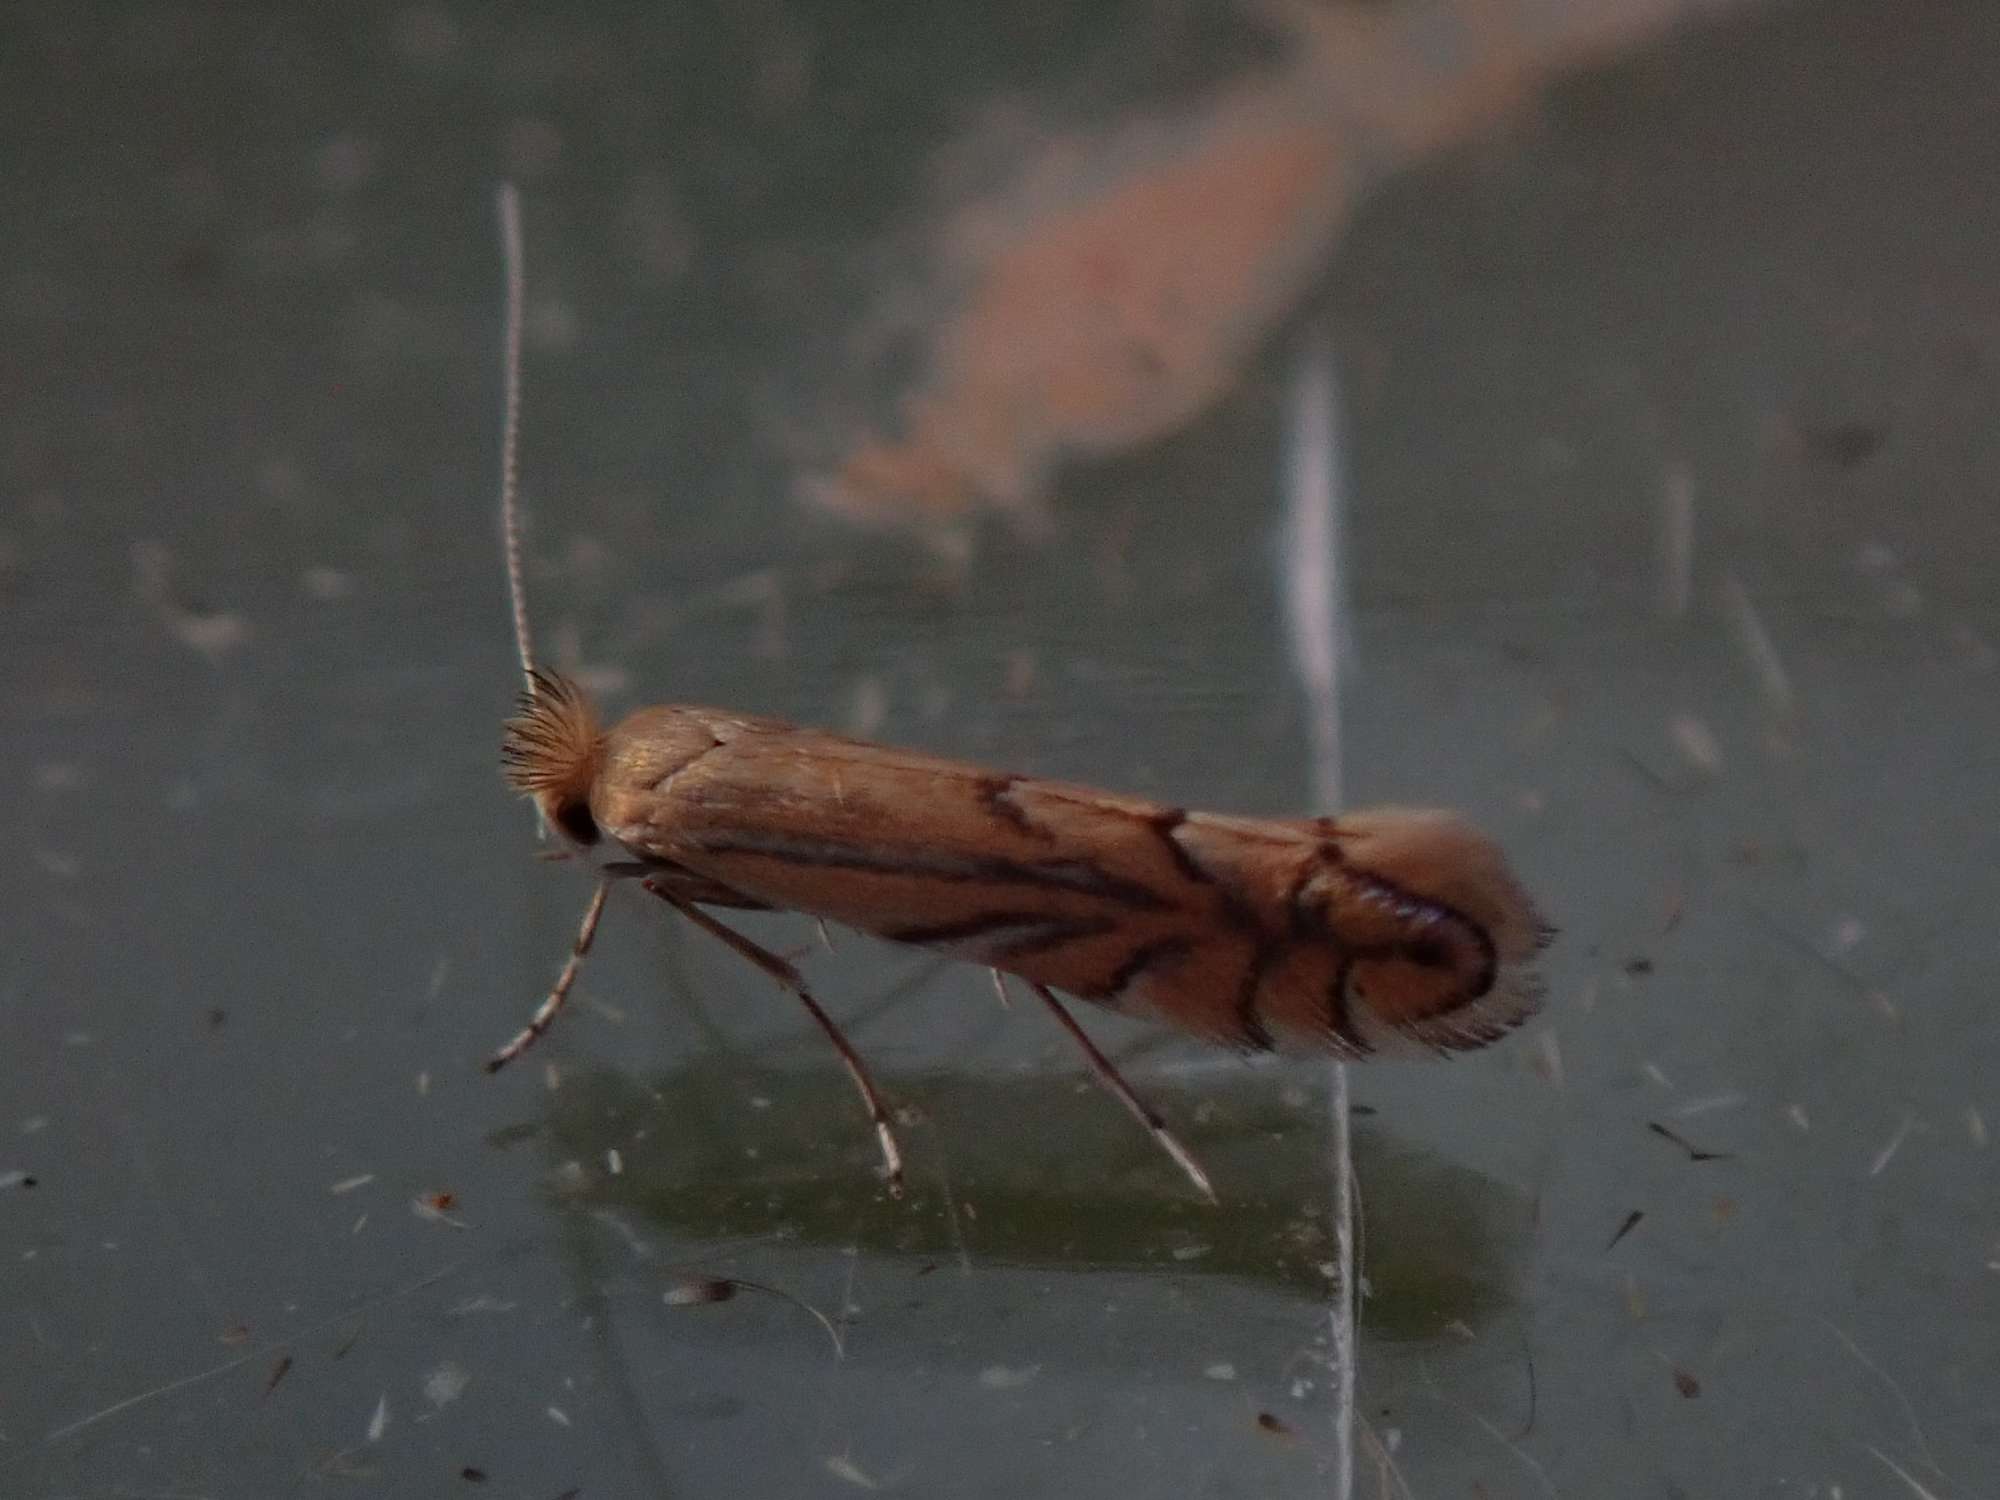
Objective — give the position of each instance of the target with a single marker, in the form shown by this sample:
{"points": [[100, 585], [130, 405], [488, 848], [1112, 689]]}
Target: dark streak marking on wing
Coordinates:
{"points": [[1076, 876]]}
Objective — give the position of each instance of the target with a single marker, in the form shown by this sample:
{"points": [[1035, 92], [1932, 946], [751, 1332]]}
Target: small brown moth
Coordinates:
{"points": [[1371, 933]]}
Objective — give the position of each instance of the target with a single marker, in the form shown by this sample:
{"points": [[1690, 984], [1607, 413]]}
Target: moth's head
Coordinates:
{"points": [[552, 751]]}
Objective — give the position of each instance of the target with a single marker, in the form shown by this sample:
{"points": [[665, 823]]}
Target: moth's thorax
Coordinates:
{"points": [[648, 747]]}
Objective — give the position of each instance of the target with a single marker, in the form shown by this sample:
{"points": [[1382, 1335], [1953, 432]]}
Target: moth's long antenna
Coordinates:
{"points": [[514, 258]]}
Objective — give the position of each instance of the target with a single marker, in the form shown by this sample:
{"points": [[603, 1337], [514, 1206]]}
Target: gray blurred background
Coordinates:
{"points": [[1666, 341]]}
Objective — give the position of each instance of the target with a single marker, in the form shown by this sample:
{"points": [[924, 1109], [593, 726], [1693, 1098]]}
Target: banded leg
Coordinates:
{"points": [[545, 1015], [790, 979], [1145, 1114]]}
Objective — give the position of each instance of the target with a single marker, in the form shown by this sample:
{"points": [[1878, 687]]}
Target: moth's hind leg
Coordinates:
{"points": [[1108, 1075], [790, 979], [545, 1014]]}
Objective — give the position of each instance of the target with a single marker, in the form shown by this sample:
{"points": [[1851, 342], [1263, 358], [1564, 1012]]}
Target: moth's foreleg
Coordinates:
{"points": [[790, 979], [1145, 1114], [545, 1015]]}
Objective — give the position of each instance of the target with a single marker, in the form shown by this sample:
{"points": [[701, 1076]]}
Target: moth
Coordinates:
{"points": [[1365, 934]]}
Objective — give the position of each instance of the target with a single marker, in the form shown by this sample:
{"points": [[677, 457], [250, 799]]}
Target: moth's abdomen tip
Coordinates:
{"points": [[1437, 858], [1444, 933]]}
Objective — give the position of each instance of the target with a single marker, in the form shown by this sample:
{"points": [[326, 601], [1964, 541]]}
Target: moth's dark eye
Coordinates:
{"points": [[1427, 953], [574, 819]]}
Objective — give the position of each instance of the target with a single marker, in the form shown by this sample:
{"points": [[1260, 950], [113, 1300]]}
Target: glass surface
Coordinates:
{"points": [[1668, 448]]}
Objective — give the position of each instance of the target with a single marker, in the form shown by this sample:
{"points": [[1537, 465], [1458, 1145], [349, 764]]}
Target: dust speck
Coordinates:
{"points": [[445, 1384]]}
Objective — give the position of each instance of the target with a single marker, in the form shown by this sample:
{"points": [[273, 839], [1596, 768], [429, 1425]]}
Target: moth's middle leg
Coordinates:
{"points": [[1108, 1075], [790, 979]]}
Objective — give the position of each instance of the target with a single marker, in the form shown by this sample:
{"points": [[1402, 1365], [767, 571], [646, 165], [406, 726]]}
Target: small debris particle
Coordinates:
{"points": [[18, 1179], [326, 584], [1001, 1378], [1696, 743], [1759, 650], [1547, 1060], [614, 1161], [1638, 966], [1796, 1113], [445, 1384], [349, 1184], [278, 1372], [1221, 1370], [1686, 1384], [1276, 1426], [1708, 1105], [698, 1291], [1975, 1126], [1190, 1252], [1635, 1300], [1695, 1153], [1891, 1146], [1673, 911], [1631, 1223], [234, 1334], [423, 1085], [472, 1475], [557, 1415], [840, 1466], [379, 1422], [437, 1207]]}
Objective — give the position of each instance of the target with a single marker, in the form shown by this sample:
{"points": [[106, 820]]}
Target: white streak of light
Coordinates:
{"points": [[1311, 568]]}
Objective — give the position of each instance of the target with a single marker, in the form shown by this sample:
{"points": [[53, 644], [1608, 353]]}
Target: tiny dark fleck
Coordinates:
{"points": [[1275, 1425], [1694, 1152], [1686, 1384], [472, 1475], [1846, 444], [28, 1182], [217, 1018], [1631, 1223], [1637, 967]]}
